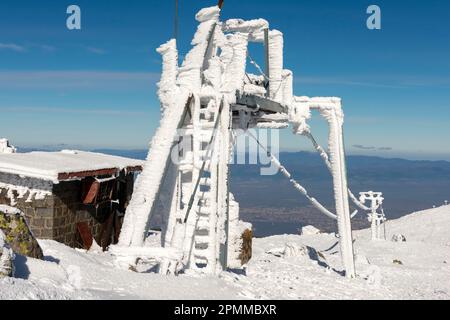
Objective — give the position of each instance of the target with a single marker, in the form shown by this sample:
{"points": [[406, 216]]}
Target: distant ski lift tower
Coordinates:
{"points": [[376, 215]]}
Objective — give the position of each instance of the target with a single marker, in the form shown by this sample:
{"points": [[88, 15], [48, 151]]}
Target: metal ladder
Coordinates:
{"points": [[195, 229]]}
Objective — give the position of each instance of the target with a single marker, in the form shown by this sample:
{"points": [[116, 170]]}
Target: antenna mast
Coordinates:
{"points": [[175, 22]]}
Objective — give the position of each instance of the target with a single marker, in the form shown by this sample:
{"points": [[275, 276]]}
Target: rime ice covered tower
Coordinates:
{"points": [[185, 180], [376, 216]]}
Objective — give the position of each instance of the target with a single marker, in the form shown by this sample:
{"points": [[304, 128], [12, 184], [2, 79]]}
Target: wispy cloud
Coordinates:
{"points": [[63, 110], [28, 47], [360, 146], [12, 47], [46, 47], [363, 147], [380, 81], [364, 119], [96, 50], [326, 80], [65, 79]]}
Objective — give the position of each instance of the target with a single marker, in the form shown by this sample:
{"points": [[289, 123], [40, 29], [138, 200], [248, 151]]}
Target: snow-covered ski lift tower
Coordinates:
{"points": [[205, 98], [376, 215]]}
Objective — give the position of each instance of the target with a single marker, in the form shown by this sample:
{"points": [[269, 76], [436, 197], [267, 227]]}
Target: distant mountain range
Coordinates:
{"points": [[407, 186], [271, 203]]}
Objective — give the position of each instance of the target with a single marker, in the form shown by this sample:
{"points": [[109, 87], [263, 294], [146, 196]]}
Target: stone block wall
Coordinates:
{"points": [[68, 211], [56, 216], [38, 213]]}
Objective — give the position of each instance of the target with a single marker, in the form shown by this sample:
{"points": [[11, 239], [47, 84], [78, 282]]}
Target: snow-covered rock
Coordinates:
{"points": [[309, 230], [15, 229], [5, 147], [398, 238], [292, 249], [6, 258]]}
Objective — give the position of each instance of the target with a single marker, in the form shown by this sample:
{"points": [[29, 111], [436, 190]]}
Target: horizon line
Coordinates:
{"points": [[409, 156]]}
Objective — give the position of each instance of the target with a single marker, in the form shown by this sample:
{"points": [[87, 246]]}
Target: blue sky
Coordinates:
{"points": [[96, 87]]}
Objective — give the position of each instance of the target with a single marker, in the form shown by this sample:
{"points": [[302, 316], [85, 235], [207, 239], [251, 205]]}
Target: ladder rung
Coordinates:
{"points": [[203, 253], [200, 260], [204, 210], [185, 167], [207, 124], [205, 136], [204, 200], [202, 239], [207, 166], [203, 223], [205, 181], [188, 132], [204, 154]]}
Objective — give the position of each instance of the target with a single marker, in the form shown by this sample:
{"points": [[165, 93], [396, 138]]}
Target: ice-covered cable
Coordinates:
{"points": [[325, 158], [296, 185], [253, 62]]}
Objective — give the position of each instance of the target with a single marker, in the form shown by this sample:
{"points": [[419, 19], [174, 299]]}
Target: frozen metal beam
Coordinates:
{"points": [[266, 51], [260, 103]]}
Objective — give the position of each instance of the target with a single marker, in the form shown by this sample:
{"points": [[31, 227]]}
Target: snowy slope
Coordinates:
{"points": [[281, 268]]}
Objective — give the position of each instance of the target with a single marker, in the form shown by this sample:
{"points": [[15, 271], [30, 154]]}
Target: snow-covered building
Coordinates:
{"points": [[69, 195]]}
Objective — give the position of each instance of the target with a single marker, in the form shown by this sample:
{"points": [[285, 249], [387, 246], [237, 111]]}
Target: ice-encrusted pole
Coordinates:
{"points": [[188, 80], [148, 184], [331, 110], [167, 88], [275, 68]]}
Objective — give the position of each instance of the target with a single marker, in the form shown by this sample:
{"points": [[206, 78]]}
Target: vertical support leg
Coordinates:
{"points": [[334, 116], [224, 185], [343, 208], [373, 223], [378, 228], [266, 53]]}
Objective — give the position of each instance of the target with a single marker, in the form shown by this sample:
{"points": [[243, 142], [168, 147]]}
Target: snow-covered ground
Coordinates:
{"points": [[282, 267]]}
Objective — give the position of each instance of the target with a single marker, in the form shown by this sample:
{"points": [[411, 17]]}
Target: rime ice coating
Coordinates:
{"points": [[167, 88], [276, 65], [188, 80], [208, 77]]}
